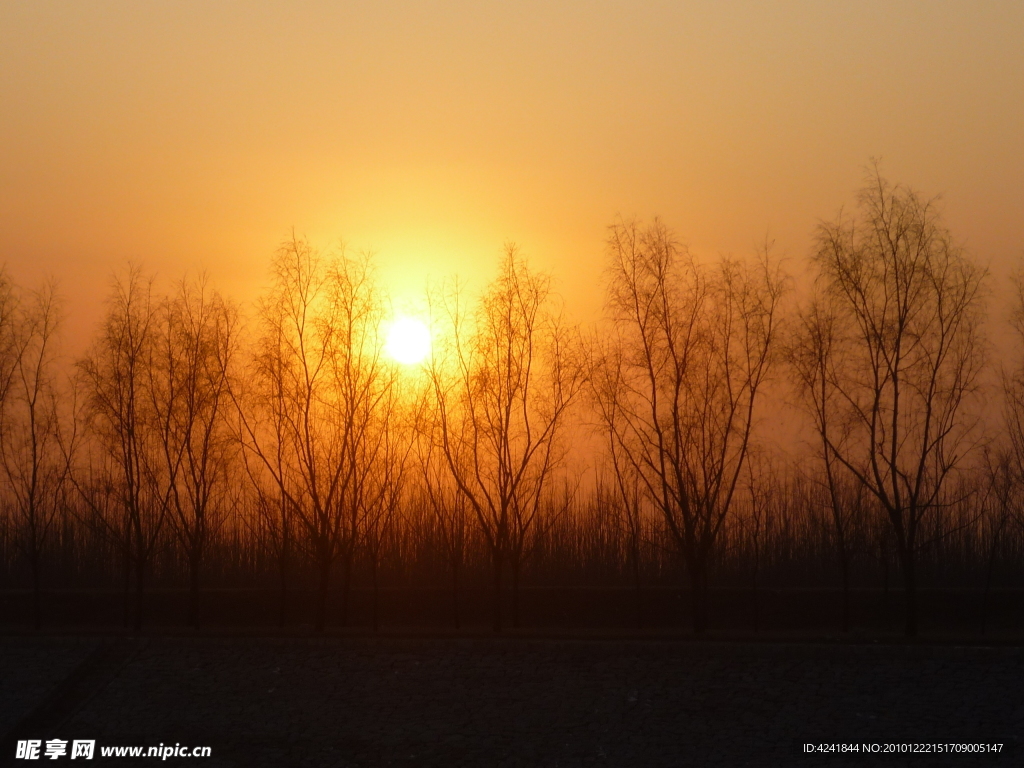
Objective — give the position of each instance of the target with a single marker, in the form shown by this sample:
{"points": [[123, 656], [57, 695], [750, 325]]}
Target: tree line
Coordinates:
{"points": [[198, 444]]}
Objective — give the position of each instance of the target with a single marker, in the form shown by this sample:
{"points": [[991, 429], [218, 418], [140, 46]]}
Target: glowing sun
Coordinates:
{"points": [[408, 341]]}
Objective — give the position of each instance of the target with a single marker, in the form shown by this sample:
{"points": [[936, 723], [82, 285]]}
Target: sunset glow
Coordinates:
{"points": [[625, 323], [408, 341]]}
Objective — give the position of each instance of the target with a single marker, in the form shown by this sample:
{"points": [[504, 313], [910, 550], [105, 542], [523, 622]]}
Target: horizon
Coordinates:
{"points": [[596, 382]]}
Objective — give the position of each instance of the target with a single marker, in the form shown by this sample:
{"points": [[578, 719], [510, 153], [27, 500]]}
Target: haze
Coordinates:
{"points": [[196, 135]]}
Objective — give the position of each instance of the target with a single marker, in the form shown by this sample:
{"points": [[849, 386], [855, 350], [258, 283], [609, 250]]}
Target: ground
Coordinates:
{"points": [[417, 701]]}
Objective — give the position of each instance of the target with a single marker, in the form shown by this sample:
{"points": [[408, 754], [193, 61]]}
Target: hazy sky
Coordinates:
{"points": [[187, 134]]}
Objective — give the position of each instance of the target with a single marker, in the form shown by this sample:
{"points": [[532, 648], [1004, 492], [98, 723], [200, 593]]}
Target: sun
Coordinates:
{"points": [[408, 341]]}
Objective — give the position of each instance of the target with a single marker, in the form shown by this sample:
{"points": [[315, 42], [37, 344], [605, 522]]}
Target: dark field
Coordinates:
{"points": [[484, 701], [961, 615]]}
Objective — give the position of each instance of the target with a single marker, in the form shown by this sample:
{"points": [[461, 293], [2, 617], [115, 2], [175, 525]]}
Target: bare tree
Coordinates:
{"points": [[693, 348], [904, 360], [34, 466], [632, 523], [272, 522], [765, 490], [10, 346], [265, 399], [627, 505], [128, 487], [812, 357], [390, 441], [1005, 461], [1013, 392], [193, 346], [447, 504], [503, 387], [318, 382], [1000, 504], [9, 352]]}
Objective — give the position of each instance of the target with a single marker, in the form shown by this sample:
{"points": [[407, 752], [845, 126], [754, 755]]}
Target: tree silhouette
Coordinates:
{"points": [[503, 384], [905, 359], [689, 349], [128, 490], [317, 386], [195, 341], [34, 467]]}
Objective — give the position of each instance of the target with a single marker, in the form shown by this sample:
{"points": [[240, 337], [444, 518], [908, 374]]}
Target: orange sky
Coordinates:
{"points": [[198, 133]]}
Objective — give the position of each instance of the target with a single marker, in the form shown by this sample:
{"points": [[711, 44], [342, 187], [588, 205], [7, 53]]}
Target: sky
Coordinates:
{"points": [[198, 135]]}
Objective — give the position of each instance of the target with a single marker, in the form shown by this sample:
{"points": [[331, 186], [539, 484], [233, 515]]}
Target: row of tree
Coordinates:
{"points": [[183, 422]]}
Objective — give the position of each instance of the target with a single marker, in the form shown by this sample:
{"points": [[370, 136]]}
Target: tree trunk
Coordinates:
{"points": [[126, 595], [321, 601], [885, 582], [37, 616], [455, 594], [346, 587], [193, 590], [376, 594], [514, 562], [756, 607], [910, 586], [698, 595], [497, 591], [140, 590], [638, 597], [844, 567], [989, 567], [282, 606]]}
